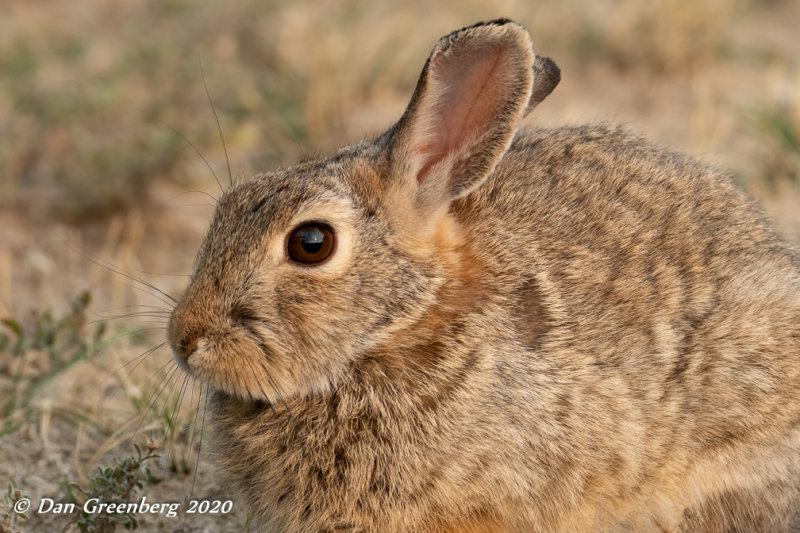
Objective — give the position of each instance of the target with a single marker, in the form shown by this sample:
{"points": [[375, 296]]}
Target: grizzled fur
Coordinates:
{"points": [[570, 331]]}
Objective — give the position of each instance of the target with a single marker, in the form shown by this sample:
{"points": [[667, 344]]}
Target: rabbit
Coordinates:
{"points": [[468, 326]]}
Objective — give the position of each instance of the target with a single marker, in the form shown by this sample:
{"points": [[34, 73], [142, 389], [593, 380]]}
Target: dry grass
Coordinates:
{"points": [[91, 97]]}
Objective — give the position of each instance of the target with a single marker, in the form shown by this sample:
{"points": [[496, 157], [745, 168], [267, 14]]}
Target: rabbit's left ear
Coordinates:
{"points": [[546, 76], [472, 93]]}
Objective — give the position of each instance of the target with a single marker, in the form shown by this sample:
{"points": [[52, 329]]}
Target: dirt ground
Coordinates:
{"points": [[87, 201]]}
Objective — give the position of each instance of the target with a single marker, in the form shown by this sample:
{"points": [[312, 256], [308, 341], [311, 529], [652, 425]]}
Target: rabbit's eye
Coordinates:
{"points": [[311, 243]]}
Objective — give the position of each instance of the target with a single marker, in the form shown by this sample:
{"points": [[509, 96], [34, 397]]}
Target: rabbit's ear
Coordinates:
{"points": [[546, 76], [472, 93]]}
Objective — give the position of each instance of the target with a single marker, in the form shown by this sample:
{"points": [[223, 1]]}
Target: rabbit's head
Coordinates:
{"points": [[306, 269]]}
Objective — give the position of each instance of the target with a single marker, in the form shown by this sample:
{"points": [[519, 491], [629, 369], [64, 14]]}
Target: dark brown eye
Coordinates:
{"points": [[311, 243]]}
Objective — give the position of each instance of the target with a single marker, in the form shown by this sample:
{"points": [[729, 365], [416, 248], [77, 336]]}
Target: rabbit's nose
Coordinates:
{"points": [[185, 347], [182, 337]]}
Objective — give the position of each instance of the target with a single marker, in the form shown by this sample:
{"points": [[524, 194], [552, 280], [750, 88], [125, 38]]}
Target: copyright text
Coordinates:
{"points": [[95, 506]]}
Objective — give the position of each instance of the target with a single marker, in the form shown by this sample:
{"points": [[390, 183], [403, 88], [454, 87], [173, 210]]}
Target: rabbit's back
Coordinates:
{"points": [[660, 303]]}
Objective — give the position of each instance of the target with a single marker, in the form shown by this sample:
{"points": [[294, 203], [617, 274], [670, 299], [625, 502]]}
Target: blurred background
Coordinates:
{"points": [[109, 146]]}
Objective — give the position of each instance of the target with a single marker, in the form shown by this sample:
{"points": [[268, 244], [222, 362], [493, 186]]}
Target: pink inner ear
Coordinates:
{"points": [[462, 101]]}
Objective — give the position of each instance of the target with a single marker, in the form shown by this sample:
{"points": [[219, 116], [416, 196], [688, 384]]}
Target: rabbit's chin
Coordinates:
{"points": [[254, 406]]}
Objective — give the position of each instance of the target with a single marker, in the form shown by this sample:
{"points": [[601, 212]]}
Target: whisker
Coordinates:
{"points": [[140, 314], [200, 445], [142, 290], [177, 412], [200, 205], [191, 427], [138, 359], [260, 386], [190, 424], [152, 400], [219, 128], [273, 385], [280, 396], [132, 332], [160, 371], [193, 191], [197, 151], [158, 326], [174, 419], [114, 269], [136, 306], [167, 275]]}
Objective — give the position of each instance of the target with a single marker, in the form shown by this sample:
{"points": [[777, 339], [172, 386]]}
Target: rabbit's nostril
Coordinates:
{"points": [[186, 347], [183, 336]]}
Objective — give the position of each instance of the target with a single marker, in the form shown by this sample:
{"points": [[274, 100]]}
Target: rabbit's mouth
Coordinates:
{"points": [[222, 370]]}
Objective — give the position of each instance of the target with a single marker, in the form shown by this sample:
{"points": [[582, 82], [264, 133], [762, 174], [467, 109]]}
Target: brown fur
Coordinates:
{"points": [[570, 331]]}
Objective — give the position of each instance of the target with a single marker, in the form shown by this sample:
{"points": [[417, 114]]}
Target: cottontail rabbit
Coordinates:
{"points": [[460, 326]]}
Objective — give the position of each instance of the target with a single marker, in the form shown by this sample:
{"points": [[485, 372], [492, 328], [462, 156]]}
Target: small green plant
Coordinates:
{"points": [[34, 353], [8, 509], [112, 485]]}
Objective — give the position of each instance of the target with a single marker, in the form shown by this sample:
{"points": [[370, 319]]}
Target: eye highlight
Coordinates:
{"points": [[311, 243]]}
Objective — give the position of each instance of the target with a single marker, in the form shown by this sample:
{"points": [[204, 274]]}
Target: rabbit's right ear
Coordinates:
{"points": [[472, 93]]}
